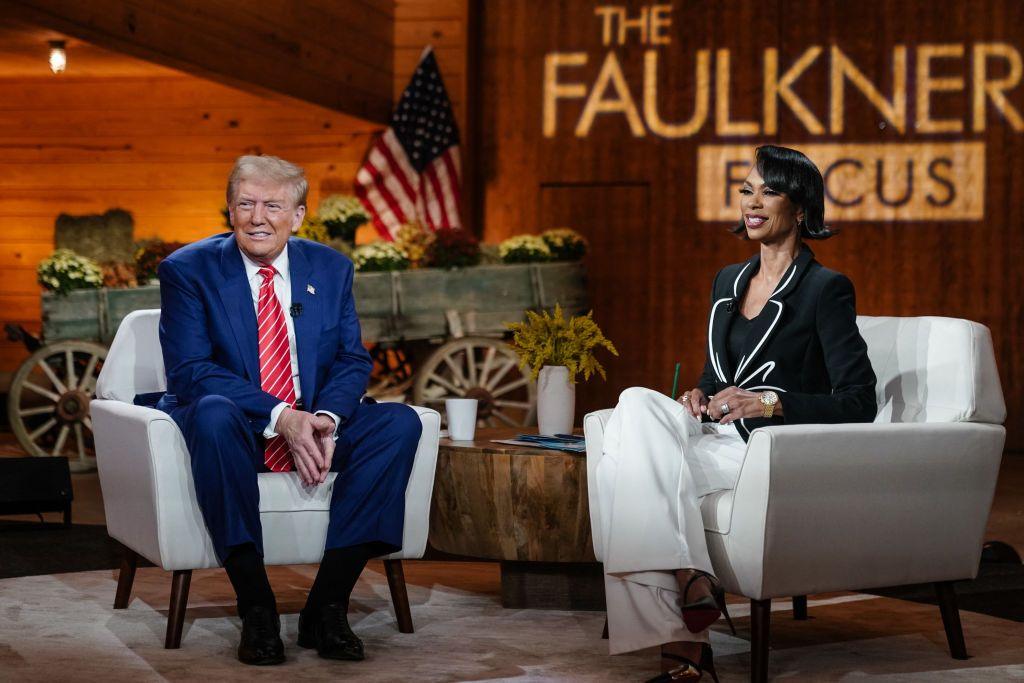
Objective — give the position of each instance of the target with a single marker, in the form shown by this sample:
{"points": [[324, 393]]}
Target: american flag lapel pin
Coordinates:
{"points": [[311, 289]]}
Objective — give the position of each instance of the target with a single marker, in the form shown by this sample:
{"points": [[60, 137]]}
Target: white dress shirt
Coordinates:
{"points": [[283, 291]]}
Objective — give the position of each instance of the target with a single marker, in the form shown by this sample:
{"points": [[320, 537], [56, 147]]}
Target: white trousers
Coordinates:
{"points": [[658, 462]]}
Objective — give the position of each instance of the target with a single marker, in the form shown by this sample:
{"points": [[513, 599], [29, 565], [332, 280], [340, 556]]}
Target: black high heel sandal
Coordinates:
{"points": [[700, 614], [689, 671]]}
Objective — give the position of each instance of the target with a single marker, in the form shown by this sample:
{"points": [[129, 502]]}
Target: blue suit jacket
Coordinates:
{"points": [[209, 339]]}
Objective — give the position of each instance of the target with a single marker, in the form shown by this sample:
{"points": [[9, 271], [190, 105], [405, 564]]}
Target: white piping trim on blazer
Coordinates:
{"points": [[767, 367], [736, 282], [784, 283], [712, 355], [746, 359], [716, 364]]}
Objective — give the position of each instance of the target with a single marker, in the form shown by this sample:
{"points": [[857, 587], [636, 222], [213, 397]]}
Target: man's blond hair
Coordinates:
{"points": [[267, 167]]}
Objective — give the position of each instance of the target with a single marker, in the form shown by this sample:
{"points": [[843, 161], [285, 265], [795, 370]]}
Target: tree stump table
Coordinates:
{"points": [[524, 507]]}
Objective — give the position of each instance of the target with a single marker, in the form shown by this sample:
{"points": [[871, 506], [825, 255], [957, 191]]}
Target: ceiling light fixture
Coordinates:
{"points": [[58, 57]]}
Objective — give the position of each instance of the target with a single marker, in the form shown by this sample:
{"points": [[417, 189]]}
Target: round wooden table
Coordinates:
{"points": [[525, 507]]}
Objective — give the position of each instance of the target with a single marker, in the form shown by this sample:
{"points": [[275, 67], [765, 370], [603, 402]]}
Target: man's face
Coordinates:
{"points": [[264, 215]]}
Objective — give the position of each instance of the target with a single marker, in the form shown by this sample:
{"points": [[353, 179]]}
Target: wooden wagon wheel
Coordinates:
{"points": [[481, 368], [48, 405]]}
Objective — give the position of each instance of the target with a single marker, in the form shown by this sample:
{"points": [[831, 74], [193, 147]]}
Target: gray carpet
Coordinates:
{"points": [[62, 627]]}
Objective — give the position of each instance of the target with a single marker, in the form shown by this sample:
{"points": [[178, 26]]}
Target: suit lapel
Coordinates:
{"points": [[764, 326], [723, 311], [307, 323], [236, 295]]}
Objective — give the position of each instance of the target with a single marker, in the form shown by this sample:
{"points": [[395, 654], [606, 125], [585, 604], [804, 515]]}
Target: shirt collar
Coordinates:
{"points": [[252, 268]]}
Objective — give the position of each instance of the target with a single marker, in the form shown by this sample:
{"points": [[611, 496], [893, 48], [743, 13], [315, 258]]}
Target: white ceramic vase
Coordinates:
{"points": [[556, 401]]}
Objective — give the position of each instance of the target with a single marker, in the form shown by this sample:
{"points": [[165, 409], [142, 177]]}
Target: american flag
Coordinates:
{"points": [[412, 170]]}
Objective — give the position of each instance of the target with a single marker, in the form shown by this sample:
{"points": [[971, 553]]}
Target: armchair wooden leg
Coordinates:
{"points": [[125, 578], [951, 619], [604, 633], [176, 613], [760, 638], [399, 595], [800, 607]]}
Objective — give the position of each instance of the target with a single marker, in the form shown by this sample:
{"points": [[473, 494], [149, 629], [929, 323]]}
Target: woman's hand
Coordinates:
{"points": [[741, 403], [694, 401]]}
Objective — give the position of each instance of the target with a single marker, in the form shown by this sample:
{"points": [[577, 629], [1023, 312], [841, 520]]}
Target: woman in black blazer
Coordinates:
{"points": [[783, 348]]}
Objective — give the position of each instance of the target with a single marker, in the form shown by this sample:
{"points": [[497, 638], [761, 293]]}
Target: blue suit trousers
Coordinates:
{"points": [[373, 458]]}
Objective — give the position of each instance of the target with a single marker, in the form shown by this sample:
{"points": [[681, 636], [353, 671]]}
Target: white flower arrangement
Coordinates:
{"points": [[524, 249], [379, 256], [565, 244], [65, 270], [341, 214]]}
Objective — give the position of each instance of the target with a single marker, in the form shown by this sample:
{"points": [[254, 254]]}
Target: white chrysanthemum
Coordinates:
{"points": [[524, 243], [65, 270], [341, 207], [380, 256]]}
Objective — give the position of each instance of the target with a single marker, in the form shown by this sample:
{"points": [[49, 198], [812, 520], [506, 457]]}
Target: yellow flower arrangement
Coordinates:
{"points": [[565, 244], [415, 240], [313, 228], [550, 339]]}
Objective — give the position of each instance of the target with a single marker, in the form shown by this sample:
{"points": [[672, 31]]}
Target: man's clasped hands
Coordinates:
{"points": [[311, 440]]}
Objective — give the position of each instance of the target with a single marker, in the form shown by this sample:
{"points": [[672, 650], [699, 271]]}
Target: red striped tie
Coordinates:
{"points": [[275, 365]]}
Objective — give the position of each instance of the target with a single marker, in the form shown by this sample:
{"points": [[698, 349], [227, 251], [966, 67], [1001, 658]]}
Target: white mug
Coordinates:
{"points": [[461, 418]]}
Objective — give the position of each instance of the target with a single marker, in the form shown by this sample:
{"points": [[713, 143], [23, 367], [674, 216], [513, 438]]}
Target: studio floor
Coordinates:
{"points": [[61, 627]]}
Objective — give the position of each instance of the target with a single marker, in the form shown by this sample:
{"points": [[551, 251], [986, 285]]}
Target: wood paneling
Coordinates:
{"points": [[338, 55], [159, 147], [619, 295], [443, 25], [930, 266]]}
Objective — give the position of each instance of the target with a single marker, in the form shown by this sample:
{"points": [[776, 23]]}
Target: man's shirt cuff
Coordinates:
{"points": [[271, 431]]}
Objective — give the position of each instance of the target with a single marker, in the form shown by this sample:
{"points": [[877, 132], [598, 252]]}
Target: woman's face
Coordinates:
{"points": [[768, 215]]}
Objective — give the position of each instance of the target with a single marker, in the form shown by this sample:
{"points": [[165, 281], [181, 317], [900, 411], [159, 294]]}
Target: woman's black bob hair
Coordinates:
{"points": [[794, 175]]}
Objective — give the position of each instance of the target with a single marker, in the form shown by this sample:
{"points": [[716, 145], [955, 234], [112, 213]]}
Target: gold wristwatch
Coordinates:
{"points": [[768, 400]]}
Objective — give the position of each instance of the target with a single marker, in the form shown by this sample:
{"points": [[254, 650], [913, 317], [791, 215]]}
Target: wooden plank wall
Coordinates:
{"points": [[929, 265], [159, 147], [335, 54], [443, 24]]}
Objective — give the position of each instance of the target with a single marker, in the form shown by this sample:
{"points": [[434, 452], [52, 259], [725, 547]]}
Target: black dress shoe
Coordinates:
{"points": [[328, 631], [261, 637]]}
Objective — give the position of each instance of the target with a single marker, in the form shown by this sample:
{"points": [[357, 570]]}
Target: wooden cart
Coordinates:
{"points": [[463, 310]]}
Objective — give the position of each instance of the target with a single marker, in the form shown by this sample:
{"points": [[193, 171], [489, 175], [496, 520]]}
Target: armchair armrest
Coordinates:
{"points": [[839, 507], [593, 430], [145, 474], [420, 489]]}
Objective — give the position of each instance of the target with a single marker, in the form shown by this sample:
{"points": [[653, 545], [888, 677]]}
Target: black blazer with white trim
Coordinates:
{"points": [[804, 344]]}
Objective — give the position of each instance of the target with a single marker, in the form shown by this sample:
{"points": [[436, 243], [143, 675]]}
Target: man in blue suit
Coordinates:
{"points": [[266, 371]]}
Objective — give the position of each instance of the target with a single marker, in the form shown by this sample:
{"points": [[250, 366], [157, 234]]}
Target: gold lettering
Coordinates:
{"points": [[639, 23], [994, 88], [926, 85], [660, 21], [611, 75], [702, 92], [776, 88], [553, 90], [607, 14], [894, 111], [723, 125]]}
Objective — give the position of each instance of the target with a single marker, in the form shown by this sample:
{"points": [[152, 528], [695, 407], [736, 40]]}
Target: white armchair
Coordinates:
{"points": [[150, 500], [904, 500]]}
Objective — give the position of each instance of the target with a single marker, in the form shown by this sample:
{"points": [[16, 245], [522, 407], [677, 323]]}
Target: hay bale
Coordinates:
{"points": [[104, 237]]}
